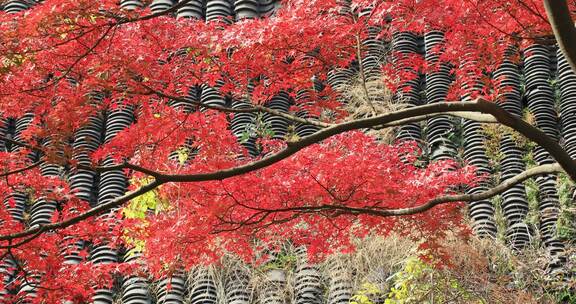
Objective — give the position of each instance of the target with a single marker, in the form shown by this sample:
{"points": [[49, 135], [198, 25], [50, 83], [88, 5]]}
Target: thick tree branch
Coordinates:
{"points": [[502, 116], [534, 134], [483, 118], [121, 166], [412, 114], [563, 27]]}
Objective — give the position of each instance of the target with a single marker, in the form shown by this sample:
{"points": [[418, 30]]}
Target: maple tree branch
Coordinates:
{"points": [[67, 72], [251, 109], [414, 113], [505, 185], [21, 144], [563, 28], [24, 241], [362, 72], [124, 165], [565, 162], [25, 273], [483, 106], [4, 255], [38, 229], [479, 117], [16, 171]]}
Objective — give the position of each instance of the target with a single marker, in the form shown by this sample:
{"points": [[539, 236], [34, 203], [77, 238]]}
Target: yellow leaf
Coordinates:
{"points": [[182, 155]]}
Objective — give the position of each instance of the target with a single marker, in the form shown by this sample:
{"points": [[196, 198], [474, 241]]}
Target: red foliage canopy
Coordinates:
{"points": [[58, 54]]}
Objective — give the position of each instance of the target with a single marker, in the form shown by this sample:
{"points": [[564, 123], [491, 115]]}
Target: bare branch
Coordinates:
{"points": [[484, 118], [362, 72]]}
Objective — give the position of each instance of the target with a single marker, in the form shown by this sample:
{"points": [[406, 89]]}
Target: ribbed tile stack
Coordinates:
{"points": [[515, 204], [481, 212], [541, 104], [404, 46]]}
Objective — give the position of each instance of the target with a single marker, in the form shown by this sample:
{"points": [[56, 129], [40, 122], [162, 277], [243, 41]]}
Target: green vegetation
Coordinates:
{"points": [[139, 206], [479, 271]]}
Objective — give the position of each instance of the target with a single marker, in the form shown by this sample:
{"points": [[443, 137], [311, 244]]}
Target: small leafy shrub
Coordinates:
{"points": [[478, 272]]}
